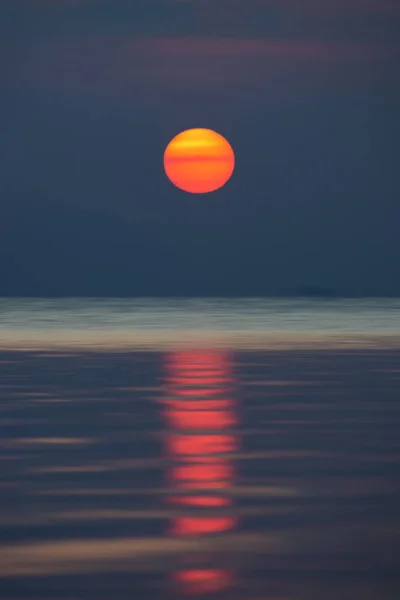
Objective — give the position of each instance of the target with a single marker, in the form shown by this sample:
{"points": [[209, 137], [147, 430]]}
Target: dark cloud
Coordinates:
{"points": [[127, 68], [239, 18]]}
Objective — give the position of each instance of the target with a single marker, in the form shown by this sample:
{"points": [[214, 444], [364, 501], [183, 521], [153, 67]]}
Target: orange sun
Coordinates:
{"points": [[199, 161]]}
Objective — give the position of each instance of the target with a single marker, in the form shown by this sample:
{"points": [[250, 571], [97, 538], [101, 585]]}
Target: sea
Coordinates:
{"points": [[250, 322], [243, 449]]}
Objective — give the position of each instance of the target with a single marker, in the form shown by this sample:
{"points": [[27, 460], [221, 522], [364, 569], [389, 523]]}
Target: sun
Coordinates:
{"points": [[199, 161]]}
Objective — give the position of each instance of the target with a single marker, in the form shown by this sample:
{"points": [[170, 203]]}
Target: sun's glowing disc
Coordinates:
{"points": [[199, 161]]}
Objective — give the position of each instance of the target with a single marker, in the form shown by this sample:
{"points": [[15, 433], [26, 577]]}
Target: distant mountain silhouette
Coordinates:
{"points": [[311, 291]]}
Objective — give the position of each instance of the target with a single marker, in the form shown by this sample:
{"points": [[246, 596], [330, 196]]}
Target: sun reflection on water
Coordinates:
{"points": [[200, 417]]}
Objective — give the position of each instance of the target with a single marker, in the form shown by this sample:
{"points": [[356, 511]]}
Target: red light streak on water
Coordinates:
{"points": [[200, 419]]}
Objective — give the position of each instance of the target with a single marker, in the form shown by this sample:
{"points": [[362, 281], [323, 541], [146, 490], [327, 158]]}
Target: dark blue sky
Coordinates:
{"points": [[308, 94]]}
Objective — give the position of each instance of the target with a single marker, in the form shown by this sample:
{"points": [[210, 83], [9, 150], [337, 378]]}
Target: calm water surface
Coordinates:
{"points": [[99, 321], [202, 472]]}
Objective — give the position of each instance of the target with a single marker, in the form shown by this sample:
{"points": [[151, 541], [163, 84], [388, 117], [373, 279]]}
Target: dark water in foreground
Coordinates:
{"points": [[201, 473]]}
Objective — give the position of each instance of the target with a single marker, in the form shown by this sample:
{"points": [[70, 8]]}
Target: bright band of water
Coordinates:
{"points": [[169, 323]]}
